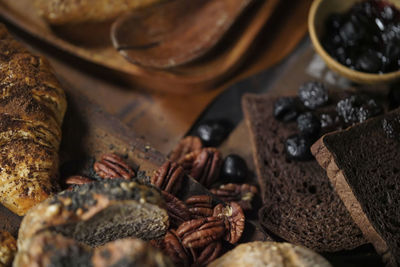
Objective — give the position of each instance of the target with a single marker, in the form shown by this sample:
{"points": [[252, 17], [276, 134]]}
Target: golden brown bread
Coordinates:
{"points": [[8, 248], [259, 254], [32, 107], [59, 12]]}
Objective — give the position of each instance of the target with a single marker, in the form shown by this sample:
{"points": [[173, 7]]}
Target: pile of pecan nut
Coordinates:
{"points": [[198, 227]]}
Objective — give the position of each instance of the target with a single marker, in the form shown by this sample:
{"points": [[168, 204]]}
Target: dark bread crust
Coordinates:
{"points": [[98, 213], [52, 249], [363, 165], [300, 205]]}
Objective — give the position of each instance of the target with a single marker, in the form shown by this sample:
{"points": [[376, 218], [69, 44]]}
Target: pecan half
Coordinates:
{"points": [[112, 166], [185, 146], [243, 194], [234, 220], [200, 206], [168, 177], [200, 232], [203, 165], [78, 180], [174, 249], [208, 254], [177, 210]]}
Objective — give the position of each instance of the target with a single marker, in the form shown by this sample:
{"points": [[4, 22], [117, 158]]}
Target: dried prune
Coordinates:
{"points": [[313, 94], [366, 38], [285, 109], [369, 61], [213, 132], [357, 108], [392, 127], [308, 124], [297, 147], [234, 169]]}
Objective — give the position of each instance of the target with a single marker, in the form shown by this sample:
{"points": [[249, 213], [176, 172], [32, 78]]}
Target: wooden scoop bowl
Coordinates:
{"points": [[175, 32]]}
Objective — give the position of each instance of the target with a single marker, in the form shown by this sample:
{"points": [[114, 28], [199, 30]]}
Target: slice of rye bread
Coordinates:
{"points": [[363, 164], [300, 205]]}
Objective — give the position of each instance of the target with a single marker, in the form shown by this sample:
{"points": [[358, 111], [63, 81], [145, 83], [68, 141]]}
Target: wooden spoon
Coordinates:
{"points": [[176, 32]]}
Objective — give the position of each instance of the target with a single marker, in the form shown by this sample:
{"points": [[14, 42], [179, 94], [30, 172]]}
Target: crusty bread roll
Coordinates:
{"points": [[98, 213], [32, 107], [60, 12], [52, 249], [273, 254], [8, 248]]}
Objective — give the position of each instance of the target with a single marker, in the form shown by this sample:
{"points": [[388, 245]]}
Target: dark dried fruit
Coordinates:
{"points": [[297, 147], [313, 94], [185, 146], [370, 61], [357, 108], [234, 169], [308, 124], [392, 127], [285, 109], [365, 38], [213, 132]]}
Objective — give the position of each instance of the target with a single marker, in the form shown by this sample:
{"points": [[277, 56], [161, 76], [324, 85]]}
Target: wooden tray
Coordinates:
{"points": [[196, 76]]}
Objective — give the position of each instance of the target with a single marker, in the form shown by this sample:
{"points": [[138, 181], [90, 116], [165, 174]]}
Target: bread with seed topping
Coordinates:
{"points": [[32, 107], [99, 212]]}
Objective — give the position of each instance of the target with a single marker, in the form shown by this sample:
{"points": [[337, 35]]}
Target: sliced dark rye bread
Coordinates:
{"points": [[300, 205], [363, 164]]}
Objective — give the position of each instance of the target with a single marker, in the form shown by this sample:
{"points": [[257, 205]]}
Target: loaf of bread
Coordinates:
{"points": [[259, 254], [8, 248], [61, 12], [52, 249], [97, 213], [32, 107]]}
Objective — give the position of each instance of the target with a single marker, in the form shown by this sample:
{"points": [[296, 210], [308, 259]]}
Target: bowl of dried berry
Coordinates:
{"points": [[358, 39]]}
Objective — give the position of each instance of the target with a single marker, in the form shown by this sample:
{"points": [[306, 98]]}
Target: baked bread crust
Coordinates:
{"points": [[61, 12], [363, 166], [52, 249], [275, 254], [8, 248], [98, 213], [32, 107]]}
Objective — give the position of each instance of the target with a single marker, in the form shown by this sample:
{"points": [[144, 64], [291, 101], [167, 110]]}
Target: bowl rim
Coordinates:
{"points": [[333, 63]]}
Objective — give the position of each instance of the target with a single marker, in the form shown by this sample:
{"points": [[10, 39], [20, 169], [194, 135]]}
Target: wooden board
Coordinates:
{"points": [[199, 75]]}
